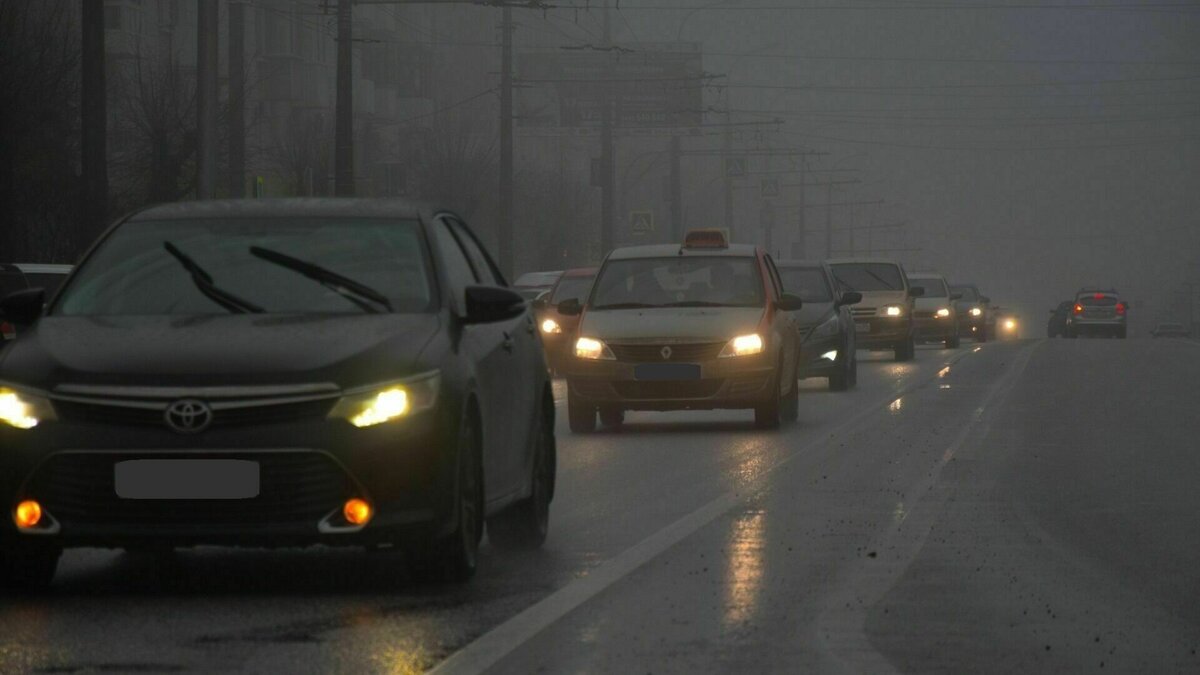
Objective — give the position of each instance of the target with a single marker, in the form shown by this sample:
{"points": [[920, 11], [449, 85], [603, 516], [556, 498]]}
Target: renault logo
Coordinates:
{"points": [[666, 353], [188, 416]]}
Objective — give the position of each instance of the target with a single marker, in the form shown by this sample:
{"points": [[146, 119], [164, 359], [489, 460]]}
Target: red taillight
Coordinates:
{"points": [[1120, 308], [1078, 308], [7, 330]]}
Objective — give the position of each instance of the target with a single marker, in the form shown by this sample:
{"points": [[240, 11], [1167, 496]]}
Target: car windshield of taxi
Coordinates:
{"points": [[679, 282]]}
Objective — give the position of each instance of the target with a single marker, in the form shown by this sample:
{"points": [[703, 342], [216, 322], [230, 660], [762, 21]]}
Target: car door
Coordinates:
{"points": [[483, 345], [784, 323], [519, 337]]}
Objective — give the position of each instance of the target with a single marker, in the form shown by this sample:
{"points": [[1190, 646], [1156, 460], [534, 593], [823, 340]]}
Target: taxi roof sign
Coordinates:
{"points": [[710, 237]]}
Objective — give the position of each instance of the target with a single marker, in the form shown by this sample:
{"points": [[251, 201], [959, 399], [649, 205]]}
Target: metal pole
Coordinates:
{"points": [[676, 190], [608, 176], [237, 100], [343, 154], [93, 110], [829, 219], [506, 144], [801, 249], [206, 99], [726, 153]]}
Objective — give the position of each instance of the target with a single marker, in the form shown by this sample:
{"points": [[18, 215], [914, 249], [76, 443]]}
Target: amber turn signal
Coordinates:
{"points": [[27, 514], [357, 511]]}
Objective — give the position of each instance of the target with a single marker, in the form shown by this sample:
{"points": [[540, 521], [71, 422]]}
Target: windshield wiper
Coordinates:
{"points": [[881, 280], [626, 305], [203, 281], [348, 288]]}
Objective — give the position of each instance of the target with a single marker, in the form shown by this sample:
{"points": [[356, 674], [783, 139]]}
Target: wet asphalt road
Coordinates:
{"points": [[1022, 506]]}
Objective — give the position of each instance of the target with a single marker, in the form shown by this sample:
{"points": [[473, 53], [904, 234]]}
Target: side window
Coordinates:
{"points": [[458, 270], [485, 271], [774, 274]]}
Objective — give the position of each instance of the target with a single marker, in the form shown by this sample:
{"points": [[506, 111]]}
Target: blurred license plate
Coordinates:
{"points": [[186, 479], [862, 326], [666, 371]]}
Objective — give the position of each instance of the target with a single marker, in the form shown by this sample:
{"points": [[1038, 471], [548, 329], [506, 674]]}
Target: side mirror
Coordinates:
{"points": [[850, 298], [570, 307], [487, 304], [789, 303], [956, 296], [916, 291], [23, 307]]}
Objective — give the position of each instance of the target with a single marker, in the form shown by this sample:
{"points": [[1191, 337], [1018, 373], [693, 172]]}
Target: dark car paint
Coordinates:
{"points": [[408, 466], [812, 315]]}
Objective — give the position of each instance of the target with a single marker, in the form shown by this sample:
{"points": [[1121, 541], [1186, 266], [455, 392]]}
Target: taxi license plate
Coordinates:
{"points": [[186, 479], [666, 371], [862, 326]]}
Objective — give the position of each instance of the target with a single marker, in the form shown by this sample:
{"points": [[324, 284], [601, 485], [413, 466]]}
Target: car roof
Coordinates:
{"points": [[287, 208], [673, 250], [42, 268]]}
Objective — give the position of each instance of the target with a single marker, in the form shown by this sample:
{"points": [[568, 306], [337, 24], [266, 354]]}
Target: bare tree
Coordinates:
{"points": [[301, 153], [553, 209], [454, 164]]}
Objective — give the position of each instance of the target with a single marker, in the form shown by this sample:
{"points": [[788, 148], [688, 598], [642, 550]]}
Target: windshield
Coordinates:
{"points": [[934, 286], [132, 273], [807, 282], [969, 294], [868, 276], [679, 282], [571, 287]]}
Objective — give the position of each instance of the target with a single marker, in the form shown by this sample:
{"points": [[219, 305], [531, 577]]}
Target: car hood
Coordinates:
{"points": [[216, 350], [685, 324]]}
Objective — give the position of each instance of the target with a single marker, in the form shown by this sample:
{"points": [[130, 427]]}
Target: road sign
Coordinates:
{"points": [[641, 222], [735, 166], [770, 187]]}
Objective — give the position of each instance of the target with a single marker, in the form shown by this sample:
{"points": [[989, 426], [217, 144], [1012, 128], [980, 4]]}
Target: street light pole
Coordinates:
{"points": [[608, 177], [206, 99], [343, 153], [506, 143]]}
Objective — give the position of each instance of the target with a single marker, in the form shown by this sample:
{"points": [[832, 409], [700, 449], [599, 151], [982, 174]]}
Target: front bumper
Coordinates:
{"points": [[934, 328], [735, 383], [881, 331], [307, 470], [971, 326]]}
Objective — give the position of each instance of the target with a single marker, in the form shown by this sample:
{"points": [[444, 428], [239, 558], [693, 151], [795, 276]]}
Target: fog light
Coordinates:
{"points": [[356, 511], [27, 514]]}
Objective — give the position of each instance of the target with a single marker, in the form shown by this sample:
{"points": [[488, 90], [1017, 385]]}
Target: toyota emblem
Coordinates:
{"points": [[666, 353], [188, 416]]}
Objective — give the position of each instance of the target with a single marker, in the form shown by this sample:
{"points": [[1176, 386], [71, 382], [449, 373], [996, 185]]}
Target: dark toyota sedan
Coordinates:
{"points": [[826, 324], [276, 373]]}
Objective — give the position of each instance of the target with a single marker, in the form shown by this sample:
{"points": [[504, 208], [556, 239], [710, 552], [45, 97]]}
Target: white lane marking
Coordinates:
{"points": [[489, 648], [841, 625]]}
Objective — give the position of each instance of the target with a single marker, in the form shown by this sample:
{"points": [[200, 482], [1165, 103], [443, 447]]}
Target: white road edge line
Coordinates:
{"points": [[489, 648]]}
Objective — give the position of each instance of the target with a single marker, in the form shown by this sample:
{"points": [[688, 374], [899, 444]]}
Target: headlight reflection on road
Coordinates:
{"points": [[895, 407], [744, 572]]}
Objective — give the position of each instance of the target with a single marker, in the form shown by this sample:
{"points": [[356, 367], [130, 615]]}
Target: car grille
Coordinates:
{"points": [[115, 413], [671, 389], [295, 487], [689, 352], [863, 311]]}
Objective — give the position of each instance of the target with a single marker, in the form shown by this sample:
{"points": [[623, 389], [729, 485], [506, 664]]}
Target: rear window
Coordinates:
{"points": [[934, 287], [969, 294], [868, 277], [1102, 301]]}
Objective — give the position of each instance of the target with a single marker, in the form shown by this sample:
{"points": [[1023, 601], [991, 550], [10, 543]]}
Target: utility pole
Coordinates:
{"points": [[726, 154], [829, 219], [237, 99], [675, 196], [343, 153], [94, 113], [608, 173], [206, 99], [800, 248], [506, 143]]}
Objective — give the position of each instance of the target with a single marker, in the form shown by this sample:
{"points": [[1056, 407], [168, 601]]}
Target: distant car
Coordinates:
{"points": [[276, 372], [21, 276], [1057, 325], [530, 284], [1098, 312], [934, 316], [700, 326], [883, 318], [558, 329], [974, 312], [1165, 330], [825, 322]]}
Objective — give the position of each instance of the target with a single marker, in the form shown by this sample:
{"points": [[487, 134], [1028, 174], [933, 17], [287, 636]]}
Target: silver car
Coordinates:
{"points": [[1098, 312]]}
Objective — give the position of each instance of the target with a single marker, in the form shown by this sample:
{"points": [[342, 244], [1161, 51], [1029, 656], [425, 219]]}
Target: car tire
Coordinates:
{"points": [[27, 567], [524, 525], [767, 415], [839, 379], [581, 414], [905, 349], [790, 404], [454, 557], [612, 417]]}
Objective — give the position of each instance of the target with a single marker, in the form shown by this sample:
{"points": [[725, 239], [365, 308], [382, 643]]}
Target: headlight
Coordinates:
{"points": [[368, 406], [551, 326], [975, 311], [943, 313], [1010, 324], [593, 349], [24, 410], [743, 345], [893, 310], [830, 355]]}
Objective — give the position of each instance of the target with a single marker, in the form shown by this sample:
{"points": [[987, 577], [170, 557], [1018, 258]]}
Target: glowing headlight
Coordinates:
{"points": [[743, 345], [592, 349], [893, 310], [831, 355], [1010, 324], [23, 410], [369, 406], [551, 326], [943, 313], [975, 311]]}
